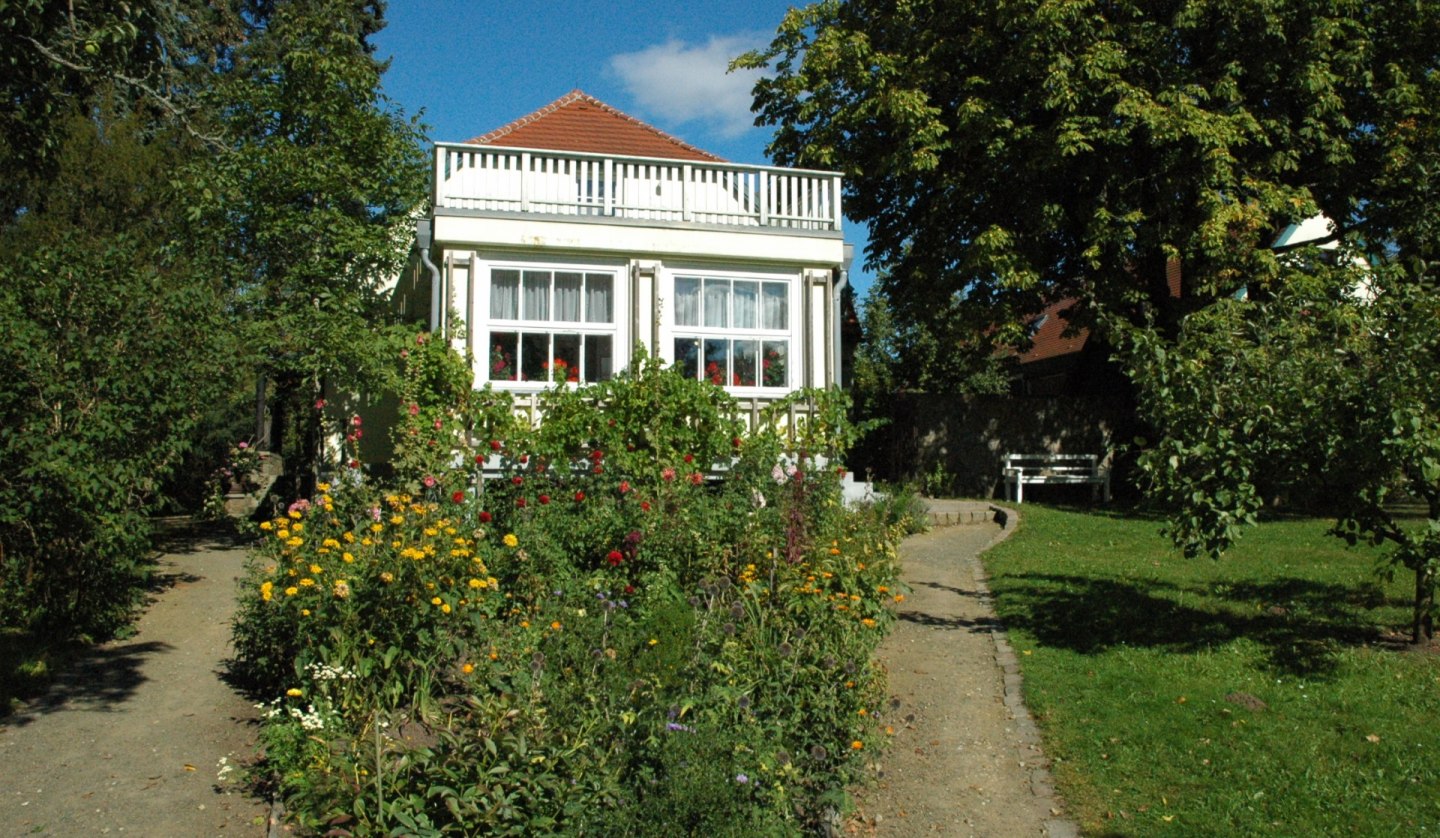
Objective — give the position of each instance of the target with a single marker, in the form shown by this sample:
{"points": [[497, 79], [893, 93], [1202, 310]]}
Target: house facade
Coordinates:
{"points": [[564, 240]]}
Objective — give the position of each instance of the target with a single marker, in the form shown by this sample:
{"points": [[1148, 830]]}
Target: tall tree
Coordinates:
{"points": [[315, 201], [1009, 153]]}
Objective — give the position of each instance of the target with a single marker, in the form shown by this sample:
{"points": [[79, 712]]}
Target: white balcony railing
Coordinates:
{"points": [[494, 179]]}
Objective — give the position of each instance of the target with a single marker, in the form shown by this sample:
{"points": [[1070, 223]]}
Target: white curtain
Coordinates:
{"points": [[537, 295], [599, 298], [717, 303], [504, 295], [567, 296], [687, 301], [775, 306], [745, 297]]}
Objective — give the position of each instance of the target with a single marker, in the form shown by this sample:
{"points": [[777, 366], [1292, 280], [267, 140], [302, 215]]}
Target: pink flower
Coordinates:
{"points": [[319, 404], [428, 481], [437, 424], [300, 505], [420, 339], [696, 478], [668, 474], [374, 513], [624, 486], [242, 445], [355, 420], [414, 410]]}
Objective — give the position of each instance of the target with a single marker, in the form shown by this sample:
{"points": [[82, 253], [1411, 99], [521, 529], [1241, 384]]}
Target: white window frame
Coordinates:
{"points": [[793, 333], [484, 326]]}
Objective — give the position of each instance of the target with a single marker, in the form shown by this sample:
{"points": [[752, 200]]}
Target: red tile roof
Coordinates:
{"points": [[580, 122], [1053, 336]]}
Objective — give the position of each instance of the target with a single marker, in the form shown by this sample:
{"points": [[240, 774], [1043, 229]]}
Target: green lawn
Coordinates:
{"points": [[1263, 694]]}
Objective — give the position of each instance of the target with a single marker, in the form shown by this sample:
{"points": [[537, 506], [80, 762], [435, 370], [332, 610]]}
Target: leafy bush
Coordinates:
{"points": [[607, 638]]}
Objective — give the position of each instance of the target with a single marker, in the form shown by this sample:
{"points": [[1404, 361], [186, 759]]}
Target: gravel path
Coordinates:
{"points": [[965, 757], [141, 736]]}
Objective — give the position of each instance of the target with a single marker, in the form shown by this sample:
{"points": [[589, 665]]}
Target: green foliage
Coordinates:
{"points": [[1262, 695], [1008, 155], [1310, 392], [313, 200], [600, 640], [111, 348]]}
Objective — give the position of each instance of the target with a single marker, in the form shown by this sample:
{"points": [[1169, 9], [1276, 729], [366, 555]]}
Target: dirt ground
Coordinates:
{"points": [[964, 758], [144, 737]]}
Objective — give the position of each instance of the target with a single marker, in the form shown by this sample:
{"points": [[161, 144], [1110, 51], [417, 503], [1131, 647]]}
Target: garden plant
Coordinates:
{"points": [[650, 623]]}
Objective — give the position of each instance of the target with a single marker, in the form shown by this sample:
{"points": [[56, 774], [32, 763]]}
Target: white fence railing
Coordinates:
{"points": [[496, 179]]}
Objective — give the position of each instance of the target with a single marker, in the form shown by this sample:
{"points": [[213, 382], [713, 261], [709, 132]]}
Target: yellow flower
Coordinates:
{"points": [[477, 583], [330, 542], [266, 526], [510, 540], [555, 626], [347, 558], [445, 608], [294, 693], [468, 668], [341, 589], [306, 582], [297, 526], [316, 569], [295, 542], [524, 624], [397, 520], [266, 590], [292, 591], [435, 600], [282, 534], [856, 745], [349, 537], [899, 597], [295, 513], [323, 487], [377, 528], [304, 612], [652, 642], [387, 577]]}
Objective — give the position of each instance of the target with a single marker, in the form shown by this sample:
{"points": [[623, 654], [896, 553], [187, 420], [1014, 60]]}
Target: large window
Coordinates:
{"points": [[733, 332], [548, 324]]}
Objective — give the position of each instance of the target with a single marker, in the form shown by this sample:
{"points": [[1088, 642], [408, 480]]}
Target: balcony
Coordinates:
{"points": [[493, 180]]}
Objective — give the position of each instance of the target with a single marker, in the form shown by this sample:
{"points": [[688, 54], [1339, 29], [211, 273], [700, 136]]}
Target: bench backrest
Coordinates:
{"points": [[1062, 463]]}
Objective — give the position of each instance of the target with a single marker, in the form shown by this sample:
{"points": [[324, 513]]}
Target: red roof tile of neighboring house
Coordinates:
{"points": [[1053, 336], [580, 122]]}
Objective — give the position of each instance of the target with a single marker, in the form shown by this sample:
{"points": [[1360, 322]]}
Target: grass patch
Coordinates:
{"points": [[1260, 694]]}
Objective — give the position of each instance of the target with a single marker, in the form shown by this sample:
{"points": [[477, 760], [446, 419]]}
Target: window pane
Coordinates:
{"points": [[503, 348], [534, 356], [717, 303], [567, 296], [745, 360], [599, 358], [565, 363], [775, 307], [745, 296], [537, 295], [687, 301], [717, 362], [772, 364], [599, 298], [687, 356], [505, 295]]}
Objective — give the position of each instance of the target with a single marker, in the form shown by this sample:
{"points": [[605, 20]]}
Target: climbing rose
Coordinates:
{"points": [[689, 458], [520, 502], [494, 445], [579, 496], [414, 410], [457, 496]]}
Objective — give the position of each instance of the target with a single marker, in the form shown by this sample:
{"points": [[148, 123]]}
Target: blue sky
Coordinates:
{"points": [[471, 66]]}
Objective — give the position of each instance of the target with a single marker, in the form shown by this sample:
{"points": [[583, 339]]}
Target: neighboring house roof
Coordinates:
{"points": [[580, 122], [1052, 336]]}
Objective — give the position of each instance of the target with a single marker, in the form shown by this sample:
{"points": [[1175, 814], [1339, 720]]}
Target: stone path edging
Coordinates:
{"points": [[1041, 783]]}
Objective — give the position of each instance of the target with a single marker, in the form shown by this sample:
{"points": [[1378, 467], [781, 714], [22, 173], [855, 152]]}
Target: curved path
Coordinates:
{"points": [[964, 758], [142, 736]]}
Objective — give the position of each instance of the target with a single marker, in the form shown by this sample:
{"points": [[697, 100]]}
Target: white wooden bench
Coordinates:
{"points": [[1033, 469]]}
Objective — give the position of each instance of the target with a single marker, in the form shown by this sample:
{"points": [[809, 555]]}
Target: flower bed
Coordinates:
{"points": [[599, 642]]}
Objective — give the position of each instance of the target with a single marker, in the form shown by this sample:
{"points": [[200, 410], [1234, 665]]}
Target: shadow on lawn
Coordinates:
{"points": [[1300, 622]]}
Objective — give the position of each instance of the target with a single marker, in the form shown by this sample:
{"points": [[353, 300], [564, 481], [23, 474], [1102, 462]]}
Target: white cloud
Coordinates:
{"points": [[681, 82]]}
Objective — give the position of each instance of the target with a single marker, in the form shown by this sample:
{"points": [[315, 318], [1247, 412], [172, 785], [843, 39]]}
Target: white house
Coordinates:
{"points": [[566, 238]]}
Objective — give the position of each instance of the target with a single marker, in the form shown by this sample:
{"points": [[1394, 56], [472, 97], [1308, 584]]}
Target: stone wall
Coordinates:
{"points": [[958, 443]]}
